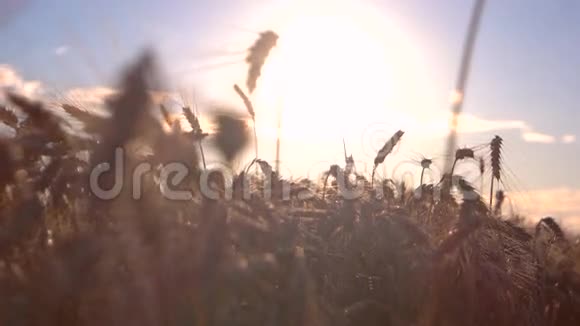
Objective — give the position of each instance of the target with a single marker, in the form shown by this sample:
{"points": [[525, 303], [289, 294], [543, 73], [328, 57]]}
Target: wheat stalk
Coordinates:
{"points": [[462, 154], [348, 160], [386, 150], [251, 112], [496, 146], [8, 168], [552, 226], [344, 148], [8, 117], [463, 77], [333, 171], [500, 196], [278, 139], [166, 115], [481, 171], [246, 100], [196, 131], [425, 164], [92, 124]]}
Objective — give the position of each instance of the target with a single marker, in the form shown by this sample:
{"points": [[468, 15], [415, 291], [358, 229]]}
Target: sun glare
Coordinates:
{"points": [[334, 66], [327, 61]]}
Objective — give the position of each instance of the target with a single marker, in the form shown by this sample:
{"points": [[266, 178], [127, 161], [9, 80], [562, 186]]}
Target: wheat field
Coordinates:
{"points": [[260, 250]]}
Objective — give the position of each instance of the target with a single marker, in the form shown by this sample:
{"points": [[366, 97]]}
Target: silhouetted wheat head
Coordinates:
{"points": [[496, 147], [257, 55], [386, 150]]}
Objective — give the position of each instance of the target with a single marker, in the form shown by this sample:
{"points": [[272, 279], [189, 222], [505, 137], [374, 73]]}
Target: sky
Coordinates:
{"points": [[352, 69]]}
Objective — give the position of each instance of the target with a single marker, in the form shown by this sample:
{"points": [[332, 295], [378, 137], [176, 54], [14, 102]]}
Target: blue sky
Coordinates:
{"points": [[525, 70]]}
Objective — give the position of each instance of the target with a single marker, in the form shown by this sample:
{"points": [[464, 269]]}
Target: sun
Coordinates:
{"points": [[336, 64], [328, 61]]}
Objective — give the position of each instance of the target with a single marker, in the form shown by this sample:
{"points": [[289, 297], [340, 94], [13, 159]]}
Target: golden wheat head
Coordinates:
{"points": [[257, 55]]}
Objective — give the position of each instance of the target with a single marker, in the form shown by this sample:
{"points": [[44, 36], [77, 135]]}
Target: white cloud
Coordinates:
{"points": [[89, 96], [471, 124], [536, 137], [11, 81], [61, 50], [568, 139], [467, 124], [563, 204]]}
